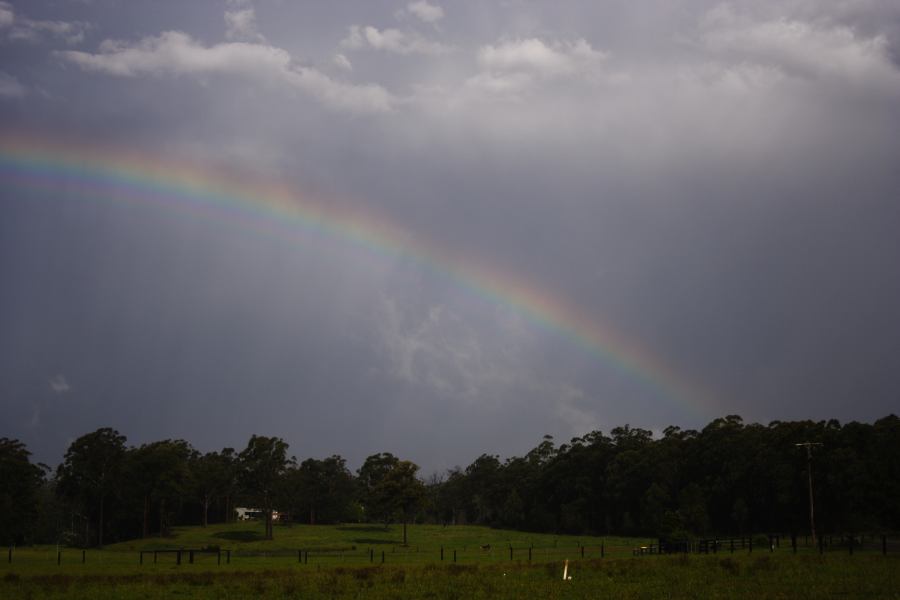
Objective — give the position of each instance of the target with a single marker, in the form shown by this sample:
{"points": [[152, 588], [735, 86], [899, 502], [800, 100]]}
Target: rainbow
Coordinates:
{"points": [[94, 171]]}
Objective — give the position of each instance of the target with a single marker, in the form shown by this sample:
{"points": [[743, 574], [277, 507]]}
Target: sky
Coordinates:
{"points": [[444, 229]]}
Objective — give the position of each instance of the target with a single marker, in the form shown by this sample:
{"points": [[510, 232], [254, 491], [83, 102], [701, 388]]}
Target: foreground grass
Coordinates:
{"points": [[346, 562], [745, 576]]}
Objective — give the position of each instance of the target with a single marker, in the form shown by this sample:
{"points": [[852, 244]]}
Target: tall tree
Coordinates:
{"points": [[321, 490], [390, 489], [262, 465], [19, 492], [400, 493], [159, 471], [231, 464], [92, 470], [368, 477], [211, 477]]}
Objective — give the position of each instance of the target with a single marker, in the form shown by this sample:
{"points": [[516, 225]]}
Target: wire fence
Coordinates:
{"points": [[850, 543], [323, 556], [73, 558]]}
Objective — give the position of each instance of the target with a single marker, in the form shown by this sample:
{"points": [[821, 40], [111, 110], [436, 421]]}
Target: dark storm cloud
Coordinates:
{"points": [[716, 180]]}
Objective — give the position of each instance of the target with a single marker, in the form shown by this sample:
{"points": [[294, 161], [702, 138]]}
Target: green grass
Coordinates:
{"points": [[248, 537], [327, 545], [339, 567]]}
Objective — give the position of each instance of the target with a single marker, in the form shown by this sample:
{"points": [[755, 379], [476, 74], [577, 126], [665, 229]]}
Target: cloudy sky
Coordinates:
{"points": [[705, 194]]}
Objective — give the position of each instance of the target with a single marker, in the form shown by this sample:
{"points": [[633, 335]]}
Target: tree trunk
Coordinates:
{"points": [[404, 532], [100, 525], [162, 517], [205, 510], [145, 530]]}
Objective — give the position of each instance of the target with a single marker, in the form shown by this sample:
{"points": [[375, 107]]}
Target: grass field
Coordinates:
{"points": [[345, 562]]}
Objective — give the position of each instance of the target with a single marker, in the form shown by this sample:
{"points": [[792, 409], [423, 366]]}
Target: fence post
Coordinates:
{"points": [[529, 553], [142, 557], [794, 542], [58, 557], [228, 555], [883, 545], [82, 556], [510, 553], [454, 555], [850, 544], [602, 550], [191, 556], [582, 552], [300, 556], [442, 553], [219, 557], [732, 545], [382, 557], [10, 555]]}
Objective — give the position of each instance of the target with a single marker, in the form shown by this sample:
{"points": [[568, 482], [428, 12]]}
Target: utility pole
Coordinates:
{"points": [[812, 517]]}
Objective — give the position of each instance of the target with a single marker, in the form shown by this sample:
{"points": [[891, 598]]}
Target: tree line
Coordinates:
{"points": [[730, 478]]}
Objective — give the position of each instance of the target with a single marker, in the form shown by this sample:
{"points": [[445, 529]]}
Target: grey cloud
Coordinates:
{"points": [[801, 48], [241, 25], [10, 87], [176, 52], [19, 28], [717, 183], [428, 13], [59, 385], [342, 62], [440, 350], [535, 55], [391, 40]]}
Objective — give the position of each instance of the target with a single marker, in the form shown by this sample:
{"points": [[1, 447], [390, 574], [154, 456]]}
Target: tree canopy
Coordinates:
{"points": [[730, 477], [18, 492]]}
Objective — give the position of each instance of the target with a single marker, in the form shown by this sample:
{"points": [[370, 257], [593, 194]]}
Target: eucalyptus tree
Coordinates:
{"points": [[19, 492], [322, 490], [212, 476], [160, 473], [389, 489], [91, 472], [400, 493], [486, 489], [262, 465], [368, 477]]}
